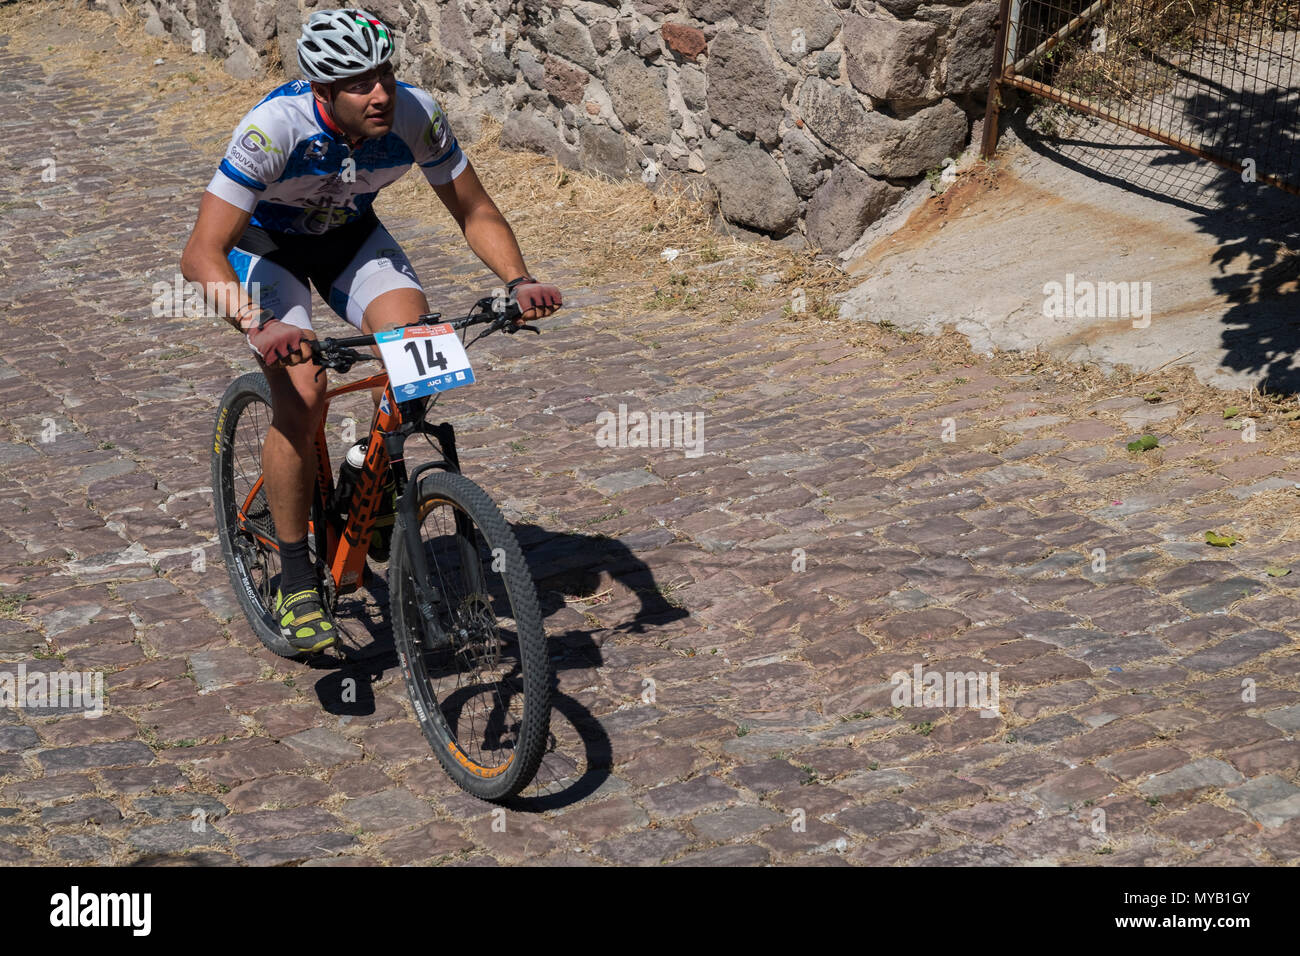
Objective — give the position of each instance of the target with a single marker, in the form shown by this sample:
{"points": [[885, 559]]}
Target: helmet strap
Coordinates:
{"points": [[329, 113]]}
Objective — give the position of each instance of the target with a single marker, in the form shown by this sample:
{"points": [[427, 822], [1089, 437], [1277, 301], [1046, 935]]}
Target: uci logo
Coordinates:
{"points": [[255, 141]]}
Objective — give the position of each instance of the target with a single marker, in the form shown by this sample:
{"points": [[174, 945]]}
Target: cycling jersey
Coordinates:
{"points": [[291, 167]]}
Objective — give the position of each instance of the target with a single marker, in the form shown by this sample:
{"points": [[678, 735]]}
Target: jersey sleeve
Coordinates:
{"points": [[255, 158], [429, 137]]}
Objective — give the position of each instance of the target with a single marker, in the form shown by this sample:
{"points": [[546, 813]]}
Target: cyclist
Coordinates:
{"points": [[291, 203]]}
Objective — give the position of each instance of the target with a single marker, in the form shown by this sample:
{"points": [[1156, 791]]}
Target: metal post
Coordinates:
{"points": [[1000, 48]]}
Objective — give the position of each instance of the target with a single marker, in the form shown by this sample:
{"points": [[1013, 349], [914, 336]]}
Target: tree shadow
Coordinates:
{"points": [[1240, 112]]}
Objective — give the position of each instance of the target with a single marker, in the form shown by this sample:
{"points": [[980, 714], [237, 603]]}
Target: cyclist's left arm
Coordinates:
{"points": [[425, 128], [493, 241]]}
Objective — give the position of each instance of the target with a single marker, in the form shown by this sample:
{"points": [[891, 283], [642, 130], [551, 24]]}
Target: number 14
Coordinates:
{"points": [[430, 359]]}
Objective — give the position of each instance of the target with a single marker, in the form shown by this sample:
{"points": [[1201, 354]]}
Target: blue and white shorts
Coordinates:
{"points": [[350, 266]]}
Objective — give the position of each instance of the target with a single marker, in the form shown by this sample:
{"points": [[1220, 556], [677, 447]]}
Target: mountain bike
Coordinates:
{"points": [[464, 611]]}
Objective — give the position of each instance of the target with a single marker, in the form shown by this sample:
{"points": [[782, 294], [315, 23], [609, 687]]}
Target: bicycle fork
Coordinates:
{"points": [[428, 596]]}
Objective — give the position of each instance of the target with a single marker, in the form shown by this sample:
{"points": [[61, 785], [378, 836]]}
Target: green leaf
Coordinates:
{"points": [[1151, 397], [1145, 443], [1220, 540], [1231, 412], [1276, 572]]}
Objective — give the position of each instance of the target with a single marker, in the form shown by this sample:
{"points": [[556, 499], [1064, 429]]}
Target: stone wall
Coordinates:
{"points": [[806, 118]]}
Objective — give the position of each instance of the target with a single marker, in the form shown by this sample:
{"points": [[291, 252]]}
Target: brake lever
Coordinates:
{"points": [[328, 360], [320, 359], [337, 365]]}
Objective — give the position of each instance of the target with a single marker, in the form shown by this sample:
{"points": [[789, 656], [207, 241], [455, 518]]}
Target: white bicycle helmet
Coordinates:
{"points": [[336, 44]]}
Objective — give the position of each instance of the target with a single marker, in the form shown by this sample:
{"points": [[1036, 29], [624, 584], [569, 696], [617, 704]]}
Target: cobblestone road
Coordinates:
{"points": [[725, 626]]}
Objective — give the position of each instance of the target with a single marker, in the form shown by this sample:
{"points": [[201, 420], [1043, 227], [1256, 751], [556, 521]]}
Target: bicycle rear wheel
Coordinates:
{"points": [[250, 551], [480, 679]]}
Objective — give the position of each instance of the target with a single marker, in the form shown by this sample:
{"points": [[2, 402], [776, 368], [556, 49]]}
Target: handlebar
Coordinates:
{"points": [[499, 313]]}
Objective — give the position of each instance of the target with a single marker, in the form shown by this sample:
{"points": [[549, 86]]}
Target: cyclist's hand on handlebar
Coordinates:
{"points": [[281, 344], [537, 300]]}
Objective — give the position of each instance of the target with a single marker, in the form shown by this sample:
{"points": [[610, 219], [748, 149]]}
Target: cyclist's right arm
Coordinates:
{"points": [[254, 158], [204, 261]]}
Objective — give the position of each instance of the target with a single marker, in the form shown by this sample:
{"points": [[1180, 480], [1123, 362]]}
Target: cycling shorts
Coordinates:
{"points": [[350, 266]]}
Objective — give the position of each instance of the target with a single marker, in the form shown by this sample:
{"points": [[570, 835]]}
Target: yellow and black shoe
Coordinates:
{"points": [[304, 620]]}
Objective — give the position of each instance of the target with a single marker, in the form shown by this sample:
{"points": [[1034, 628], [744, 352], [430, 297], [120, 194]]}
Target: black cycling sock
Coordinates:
{"points": [[298, 574]]}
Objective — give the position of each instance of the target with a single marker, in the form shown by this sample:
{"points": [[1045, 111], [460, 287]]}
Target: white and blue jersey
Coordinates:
{"points": [[310, 195], [290, 167]]}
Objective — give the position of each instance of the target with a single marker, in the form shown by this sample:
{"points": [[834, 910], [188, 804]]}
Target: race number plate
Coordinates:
{"points": [[424, 359]]}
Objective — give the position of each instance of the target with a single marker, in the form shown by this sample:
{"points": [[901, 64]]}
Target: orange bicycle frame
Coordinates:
{"points": [[345, 553], [344, 550]]}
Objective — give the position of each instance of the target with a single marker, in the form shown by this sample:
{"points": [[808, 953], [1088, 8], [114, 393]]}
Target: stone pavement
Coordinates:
{"points": [[725, 626]]}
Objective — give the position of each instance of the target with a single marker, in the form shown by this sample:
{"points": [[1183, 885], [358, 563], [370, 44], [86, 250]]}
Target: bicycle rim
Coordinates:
{"points": [[248, 545], [259, 563]]}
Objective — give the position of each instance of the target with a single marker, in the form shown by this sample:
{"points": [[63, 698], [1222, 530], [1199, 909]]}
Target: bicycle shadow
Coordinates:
{"points": [[571, 571]]}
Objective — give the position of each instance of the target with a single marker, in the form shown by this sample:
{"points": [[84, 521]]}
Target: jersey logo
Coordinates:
{"points": [[256, 141], [433, 132], [320, 218]]}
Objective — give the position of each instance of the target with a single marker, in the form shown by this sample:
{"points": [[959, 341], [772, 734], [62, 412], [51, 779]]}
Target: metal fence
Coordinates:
{"points": [[1212, 77]]}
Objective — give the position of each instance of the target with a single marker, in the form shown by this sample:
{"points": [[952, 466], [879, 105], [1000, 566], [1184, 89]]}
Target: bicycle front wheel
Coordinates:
{"points": [[478, 673]]}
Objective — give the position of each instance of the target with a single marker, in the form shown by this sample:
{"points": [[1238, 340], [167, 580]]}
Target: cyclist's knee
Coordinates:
{"points": [[297, 400]]}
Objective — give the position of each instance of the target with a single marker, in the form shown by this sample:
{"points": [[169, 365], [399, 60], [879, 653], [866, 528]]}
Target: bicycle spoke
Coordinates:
{"points": [[476, 679]]}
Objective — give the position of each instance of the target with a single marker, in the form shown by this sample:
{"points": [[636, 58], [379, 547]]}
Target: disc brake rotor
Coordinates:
{"points": [[474, 633]]}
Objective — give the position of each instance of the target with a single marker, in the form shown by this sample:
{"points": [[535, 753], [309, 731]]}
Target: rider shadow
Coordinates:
{"points": [[574, 569], [569, 569]]}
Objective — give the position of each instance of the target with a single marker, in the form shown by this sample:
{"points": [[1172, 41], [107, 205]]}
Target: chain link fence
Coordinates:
{"points": [[1215, 78]]}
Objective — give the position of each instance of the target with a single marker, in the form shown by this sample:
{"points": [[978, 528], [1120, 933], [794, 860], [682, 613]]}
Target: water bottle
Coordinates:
{"points": [[349, 472]]}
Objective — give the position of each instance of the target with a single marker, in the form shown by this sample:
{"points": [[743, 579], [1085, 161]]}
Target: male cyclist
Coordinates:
{"points": [[291, 204]]}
